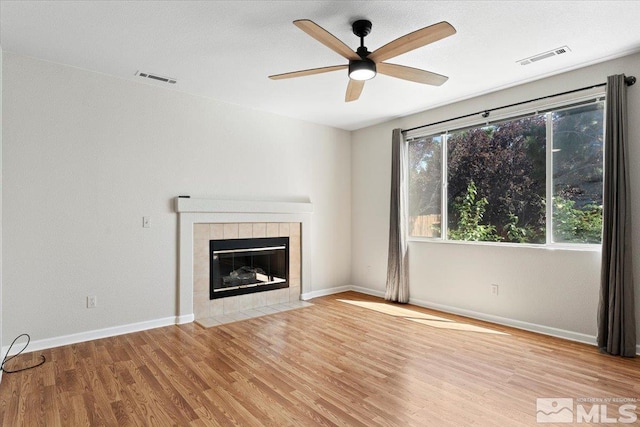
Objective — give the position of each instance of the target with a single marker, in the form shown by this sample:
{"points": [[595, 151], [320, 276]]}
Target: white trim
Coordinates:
{"points": [[368, 291], [187, 318], [573, 247], [444, 188], [168, 321], [518, 324], [546, 330], [505, 321], [92, 335], [533, 327], [324, 292], [580, 247], [549, 182], [183, 204], [340, 289]]}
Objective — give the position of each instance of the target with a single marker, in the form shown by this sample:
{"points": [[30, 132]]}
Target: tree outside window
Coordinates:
{"points": [[497, 175]]}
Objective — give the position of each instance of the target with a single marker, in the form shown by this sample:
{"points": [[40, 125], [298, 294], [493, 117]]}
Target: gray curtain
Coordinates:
{"points": [[616, 312], [397, 267]]}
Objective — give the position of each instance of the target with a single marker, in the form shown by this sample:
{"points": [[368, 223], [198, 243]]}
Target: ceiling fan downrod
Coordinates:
{"points": [[362, 28]]}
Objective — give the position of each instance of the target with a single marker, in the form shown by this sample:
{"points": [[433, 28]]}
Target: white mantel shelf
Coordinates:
{"points": [[185, 204], [199, 211]]}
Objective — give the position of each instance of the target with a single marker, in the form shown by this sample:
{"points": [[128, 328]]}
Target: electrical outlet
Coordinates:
{"points": [[146, 222], [92, 302], [494, 290]]}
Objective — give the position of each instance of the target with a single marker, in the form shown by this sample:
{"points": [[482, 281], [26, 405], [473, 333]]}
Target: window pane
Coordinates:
{"points": [[425, 183], [577, 174], [496, 182]]}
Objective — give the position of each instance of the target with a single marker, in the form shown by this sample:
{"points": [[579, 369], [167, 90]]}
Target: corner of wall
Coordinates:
{"points": [[1, 355]]}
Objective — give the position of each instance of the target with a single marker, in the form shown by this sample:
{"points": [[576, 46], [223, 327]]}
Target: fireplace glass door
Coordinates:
{"points": [[241, 266]]}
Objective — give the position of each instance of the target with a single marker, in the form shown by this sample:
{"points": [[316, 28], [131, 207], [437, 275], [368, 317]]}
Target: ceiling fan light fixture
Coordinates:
{"points": [[363, 65], [362, 69]]}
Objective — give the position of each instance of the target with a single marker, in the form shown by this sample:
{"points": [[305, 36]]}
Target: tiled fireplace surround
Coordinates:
{"points": [[201, 220], [204, 307]]}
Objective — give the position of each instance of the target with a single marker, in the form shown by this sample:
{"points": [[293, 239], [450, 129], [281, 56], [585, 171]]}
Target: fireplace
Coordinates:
{"points": [[244, 266], [203, 220]]}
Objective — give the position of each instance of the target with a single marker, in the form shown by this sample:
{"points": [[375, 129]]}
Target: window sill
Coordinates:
{"points": [[552, 247]]}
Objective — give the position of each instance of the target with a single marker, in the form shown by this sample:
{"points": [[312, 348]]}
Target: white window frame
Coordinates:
{"points": [[546, 107]]}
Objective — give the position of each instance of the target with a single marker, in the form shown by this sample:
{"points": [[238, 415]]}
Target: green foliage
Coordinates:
{"points": [[506, 161], [575, 225], [470, 211], [496, 178], [518, 234]]}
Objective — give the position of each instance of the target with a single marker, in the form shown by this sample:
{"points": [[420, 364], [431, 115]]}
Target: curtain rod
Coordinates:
{"points": [[630, 81]]}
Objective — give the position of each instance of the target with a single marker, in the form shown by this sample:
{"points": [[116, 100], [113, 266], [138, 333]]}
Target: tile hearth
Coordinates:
{"points": [[209, 322]]}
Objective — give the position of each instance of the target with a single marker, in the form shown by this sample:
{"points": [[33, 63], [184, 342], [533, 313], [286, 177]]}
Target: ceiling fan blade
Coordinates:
{"points": [[413, 41], [354, 89], [326, 38], [412, 74], [308, 72]]}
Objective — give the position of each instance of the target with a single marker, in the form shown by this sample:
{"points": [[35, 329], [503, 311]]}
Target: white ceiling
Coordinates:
{"points": [[226, 49]]}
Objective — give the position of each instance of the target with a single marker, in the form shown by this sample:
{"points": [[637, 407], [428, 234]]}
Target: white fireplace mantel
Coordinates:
{"points": [[198, 211], [183, 204]]}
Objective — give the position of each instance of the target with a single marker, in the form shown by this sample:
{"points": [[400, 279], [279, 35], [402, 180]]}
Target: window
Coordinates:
{"points": [[533, 179], [425, 183]]}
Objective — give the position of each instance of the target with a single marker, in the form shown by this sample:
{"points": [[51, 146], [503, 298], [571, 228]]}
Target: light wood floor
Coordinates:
{"points": [[328, 364]]}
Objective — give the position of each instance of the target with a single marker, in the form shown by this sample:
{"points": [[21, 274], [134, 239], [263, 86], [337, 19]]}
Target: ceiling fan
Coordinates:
{"points": [[363, 65]]}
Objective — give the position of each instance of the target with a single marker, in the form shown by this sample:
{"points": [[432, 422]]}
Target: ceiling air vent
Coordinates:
{"points": [[544, 55], [156, 77]]}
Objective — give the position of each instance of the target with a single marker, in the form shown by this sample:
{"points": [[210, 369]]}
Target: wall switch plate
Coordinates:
{"points": [[92, 302], [494, 290], [146, 222]]}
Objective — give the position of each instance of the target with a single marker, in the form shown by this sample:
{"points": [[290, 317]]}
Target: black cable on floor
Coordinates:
{"points": [[7, 359]]}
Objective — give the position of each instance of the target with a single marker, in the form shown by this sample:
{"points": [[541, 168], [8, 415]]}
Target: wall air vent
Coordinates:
{"points": [[544, 55], [156, 77]]}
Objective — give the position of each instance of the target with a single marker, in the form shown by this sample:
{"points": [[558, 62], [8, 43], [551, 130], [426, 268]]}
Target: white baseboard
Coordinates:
{"points": [[187, 318], [324, 292], [95, 334], [533, 327], [179, 320], [546, 330], [339, 289], [368, 291]]}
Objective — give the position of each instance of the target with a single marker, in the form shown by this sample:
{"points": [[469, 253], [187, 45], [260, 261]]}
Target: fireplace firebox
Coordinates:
{"points": [[243, 266]]}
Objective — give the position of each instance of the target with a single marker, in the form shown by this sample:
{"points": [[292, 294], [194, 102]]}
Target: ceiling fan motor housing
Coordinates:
{"points": [[362, 69]]}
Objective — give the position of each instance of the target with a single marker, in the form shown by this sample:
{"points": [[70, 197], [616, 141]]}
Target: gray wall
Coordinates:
{"points": [[555, 291], [86, 156]]}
